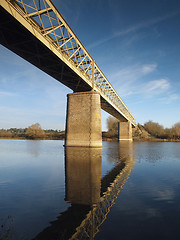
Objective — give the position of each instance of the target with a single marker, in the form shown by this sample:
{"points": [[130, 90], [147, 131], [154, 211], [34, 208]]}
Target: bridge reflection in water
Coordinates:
{"points": [[91, 196]]}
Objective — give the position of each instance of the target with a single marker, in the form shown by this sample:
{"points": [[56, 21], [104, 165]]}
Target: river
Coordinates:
{"points": [[122, 191]]}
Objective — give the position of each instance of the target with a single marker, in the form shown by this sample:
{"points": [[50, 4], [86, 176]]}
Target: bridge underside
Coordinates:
{"points": [[19, 40]]}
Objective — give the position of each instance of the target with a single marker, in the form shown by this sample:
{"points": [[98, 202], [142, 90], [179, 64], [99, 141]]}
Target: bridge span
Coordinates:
{"points": [[36, 31]]}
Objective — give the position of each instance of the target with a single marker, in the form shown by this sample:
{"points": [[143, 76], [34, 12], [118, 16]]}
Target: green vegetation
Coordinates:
{"points": [[32, 132]]}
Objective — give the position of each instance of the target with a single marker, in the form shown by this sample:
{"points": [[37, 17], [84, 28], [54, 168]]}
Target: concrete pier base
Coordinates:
{"points": [[83, 120], [125, 131]]}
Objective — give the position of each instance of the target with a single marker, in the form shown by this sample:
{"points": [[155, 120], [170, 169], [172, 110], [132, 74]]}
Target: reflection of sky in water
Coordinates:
{"points": [[31, 183], [148, 206], [32, 188]]}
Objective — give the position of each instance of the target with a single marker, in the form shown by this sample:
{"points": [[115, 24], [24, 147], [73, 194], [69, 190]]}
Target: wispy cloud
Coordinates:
{"points": [[134, 28], [8, 94], [148, 68], [134, 71], [130, 81], [171, 97], [156, 86], [125, 80]]}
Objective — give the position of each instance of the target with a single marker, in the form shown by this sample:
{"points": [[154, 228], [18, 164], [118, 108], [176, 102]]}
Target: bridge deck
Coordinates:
{"points": [[37, 32]]}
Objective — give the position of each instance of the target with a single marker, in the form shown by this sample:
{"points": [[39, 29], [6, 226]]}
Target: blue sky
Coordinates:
{"points": [[135, 43]]}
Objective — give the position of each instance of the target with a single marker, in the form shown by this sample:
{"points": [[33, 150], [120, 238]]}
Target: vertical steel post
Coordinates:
{"points": [[93, 80]]}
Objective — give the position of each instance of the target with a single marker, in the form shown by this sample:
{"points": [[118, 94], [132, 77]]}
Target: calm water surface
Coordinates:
{"points": [[124, 191]]}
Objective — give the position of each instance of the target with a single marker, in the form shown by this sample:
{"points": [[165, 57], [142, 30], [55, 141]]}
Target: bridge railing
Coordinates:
{"points": [[46, 19]]}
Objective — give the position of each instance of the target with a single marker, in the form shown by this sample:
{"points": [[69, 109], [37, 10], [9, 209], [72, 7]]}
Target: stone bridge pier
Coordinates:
{"points": [[83, 121], [125, 131]]}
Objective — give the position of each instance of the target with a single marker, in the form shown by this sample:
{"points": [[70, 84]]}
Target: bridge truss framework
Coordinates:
{"points": [[43, 20]]}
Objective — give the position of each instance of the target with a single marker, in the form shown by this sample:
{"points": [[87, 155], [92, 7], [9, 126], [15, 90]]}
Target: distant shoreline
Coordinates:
{"points": [[144, 140], [111, 139]]}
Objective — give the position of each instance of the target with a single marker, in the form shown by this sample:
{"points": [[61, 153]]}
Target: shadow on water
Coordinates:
{"points": [[91, 196]]}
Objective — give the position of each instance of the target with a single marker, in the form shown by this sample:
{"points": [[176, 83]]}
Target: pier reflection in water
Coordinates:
{"points": [[83, 175], [91, 196]]}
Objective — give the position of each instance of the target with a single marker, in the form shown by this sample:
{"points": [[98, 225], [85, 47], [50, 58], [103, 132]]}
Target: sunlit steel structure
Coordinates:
{"points": [[35, 30]]}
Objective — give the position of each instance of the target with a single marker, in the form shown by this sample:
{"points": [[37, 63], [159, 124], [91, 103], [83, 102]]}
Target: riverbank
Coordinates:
{"points": [[135, 139], [45, 136], [139, 135], [109, 139]]}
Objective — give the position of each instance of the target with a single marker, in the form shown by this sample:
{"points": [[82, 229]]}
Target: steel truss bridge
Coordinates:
{"points": [[36, 31]]}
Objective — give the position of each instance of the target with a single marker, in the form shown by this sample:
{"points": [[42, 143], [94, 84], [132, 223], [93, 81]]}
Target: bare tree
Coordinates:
{"points": [[155, 129], [176, 130], [35, 131], [112, 124]]}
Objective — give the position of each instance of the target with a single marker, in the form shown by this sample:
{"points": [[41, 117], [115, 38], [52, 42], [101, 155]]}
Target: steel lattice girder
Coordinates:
{"points": [[43, 20]]}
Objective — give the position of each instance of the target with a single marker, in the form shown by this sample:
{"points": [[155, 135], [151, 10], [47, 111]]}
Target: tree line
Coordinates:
{"points": [[158, 131], [149, 129], [32, 132]]}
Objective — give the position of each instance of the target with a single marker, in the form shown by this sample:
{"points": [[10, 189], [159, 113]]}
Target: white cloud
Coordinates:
{"points": [[125, 80], [133, 72], [148, 68], [128, 81], [9, 94], [171, 97], [157, 86]]}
